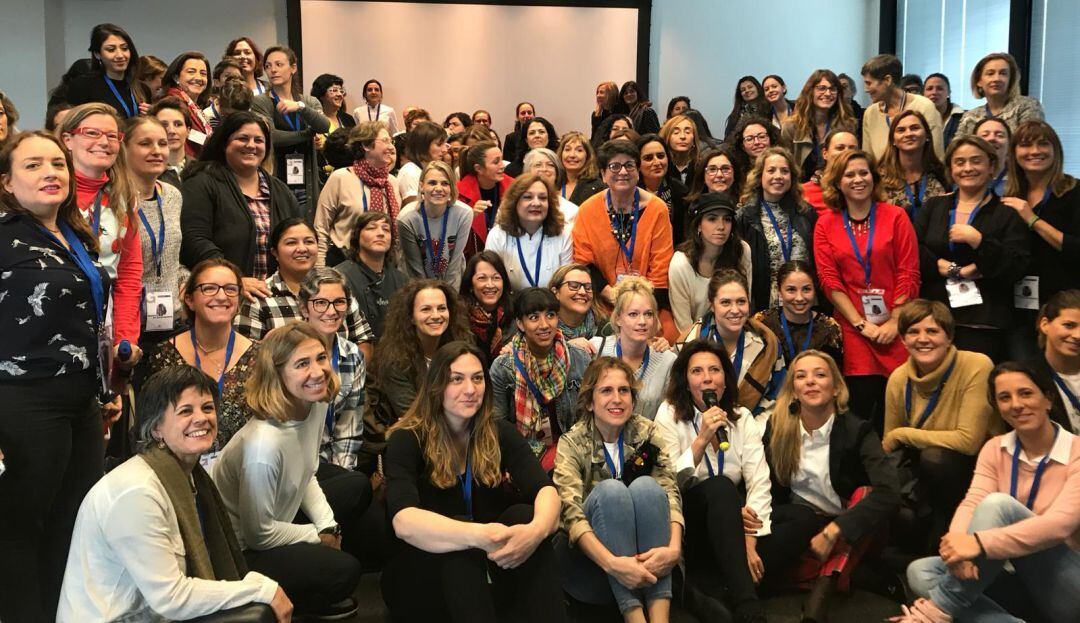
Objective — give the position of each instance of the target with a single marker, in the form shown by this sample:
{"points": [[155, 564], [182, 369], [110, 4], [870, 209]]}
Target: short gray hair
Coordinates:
{"points": [[315, 279], [160, 392], [536, 153]]}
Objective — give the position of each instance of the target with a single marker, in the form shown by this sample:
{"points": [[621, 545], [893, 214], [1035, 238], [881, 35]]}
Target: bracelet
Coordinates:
{"points": [[954, 271], [982, 550], [1035, 219], [859, 327]]}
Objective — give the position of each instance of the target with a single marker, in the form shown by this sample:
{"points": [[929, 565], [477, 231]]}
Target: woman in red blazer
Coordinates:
{"points": [[481, 185]]}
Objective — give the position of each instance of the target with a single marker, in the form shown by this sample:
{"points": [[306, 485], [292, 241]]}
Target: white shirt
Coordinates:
{"points": [[569, 211], [381, 112], [812, 481], [127, 559], [1059, 452], [1072, 381], [652, 382], [744, 461], [752, 347], [555, 251], [266, 473], [613, 453], [408, 181]]}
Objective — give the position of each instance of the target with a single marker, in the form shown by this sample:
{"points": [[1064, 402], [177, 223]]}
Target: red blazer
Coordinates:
{"points": [[469, 193]]}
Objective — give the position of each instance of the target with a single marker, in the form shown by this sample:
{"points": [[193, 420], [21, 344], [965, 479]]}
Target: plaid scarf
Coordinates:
{"points": [[378, 178], [487, 326], [548, 376], [587, 328]]}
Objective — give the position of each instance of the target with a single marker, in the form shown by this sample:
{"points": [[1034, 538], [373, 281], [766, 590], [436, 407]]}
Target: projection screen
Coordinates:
{"points": [[449, 57]]}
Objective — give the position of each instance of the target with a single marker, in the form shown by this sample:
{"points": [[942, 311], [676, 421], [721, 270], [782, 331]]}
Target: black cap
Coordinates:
{"points": [[712, 202]]}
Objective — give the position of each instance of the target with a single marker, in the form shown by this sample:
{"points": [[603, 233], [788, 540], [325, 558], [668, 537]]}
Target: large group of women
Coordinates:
{"points": [[538, 375]]}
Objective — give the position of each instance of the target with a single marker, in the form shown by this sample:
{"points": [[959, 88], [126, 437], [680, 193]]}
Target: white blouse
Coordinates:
{"points": [[555, 251]]}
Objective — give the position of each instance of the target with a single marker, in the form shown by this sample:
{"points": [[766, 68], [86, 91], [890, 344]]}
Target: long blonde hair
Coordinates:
{"points": [[426, 420], [752, 190], [122, 196], [264, 391], [840, 114], [785, 444], [627, 289]]}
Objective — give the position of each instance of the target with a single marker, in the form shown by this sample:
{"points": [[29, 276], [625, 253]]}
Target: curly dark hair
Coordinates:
{"points": [[399, 347], [678, 390]]}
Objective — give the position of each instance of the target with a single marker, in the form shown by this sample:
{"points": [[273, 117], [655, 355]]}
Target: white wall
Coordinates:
{"points": [[700, 48]]}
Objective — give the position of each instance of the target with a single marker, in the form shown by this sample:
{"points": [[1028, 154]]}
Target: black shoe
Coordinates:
{"points": [[816, 606], [704, 606], [343, 609]]}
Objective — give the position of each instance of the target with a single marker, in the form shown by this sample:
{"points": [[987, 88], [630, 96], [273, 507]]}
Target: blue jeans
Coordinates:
{"points": [[1050, 577], [628, 521]]}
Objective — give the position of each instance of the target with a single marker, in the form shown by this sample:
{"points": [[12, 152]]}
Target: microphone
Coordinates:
{"points": [[123, 351], [711, 400]]}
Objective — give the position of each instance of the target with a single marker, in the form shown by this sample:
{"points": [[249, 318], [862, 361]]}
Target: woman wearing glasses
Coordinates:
{"points": [[819, 109]]}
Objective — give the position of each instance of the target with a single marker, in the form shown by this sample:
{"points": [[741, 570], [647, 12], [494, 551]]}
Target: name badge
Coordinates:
{"points": [[873, 303], [294, 169], [207, 460], [619, 276], [197, 137], [105, 351], [160, 310], [963, 293], [1026, 293]]}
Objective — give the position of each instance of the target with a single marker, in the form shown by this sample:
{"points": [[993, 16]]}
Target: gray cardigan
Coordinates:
{"points": [[503, 377], [287, 141]]}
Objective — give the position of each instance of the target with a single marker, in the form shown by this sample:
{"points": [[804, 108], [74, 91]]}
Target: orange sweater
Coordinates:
{"points": [[594, 243]]}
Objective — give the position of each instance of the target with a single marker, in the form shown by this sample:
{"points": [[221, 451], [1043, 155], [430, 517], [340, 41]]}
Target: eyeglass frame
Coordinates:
{"points": [[327, 303], [202, 287], [89, 133]]}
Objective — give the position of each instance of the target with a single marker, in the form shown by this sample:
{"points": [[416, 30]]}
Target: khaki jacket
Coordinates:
{"points": [[757, 385]]}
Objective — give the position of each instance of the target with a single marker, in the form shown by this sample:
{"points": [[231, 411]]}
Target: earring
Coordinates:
{"points": [[795, 407], [161, 444]]}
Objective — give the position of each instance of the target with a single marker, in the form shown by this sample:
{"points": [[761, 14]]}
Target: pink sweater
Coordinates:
{"points": [[1057, 504]]}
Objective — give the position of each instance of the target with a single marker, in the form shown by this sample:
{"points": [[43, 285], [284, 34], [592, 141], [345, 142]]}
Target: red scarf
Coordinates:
{"points": [[198, 122], [377, 178]]}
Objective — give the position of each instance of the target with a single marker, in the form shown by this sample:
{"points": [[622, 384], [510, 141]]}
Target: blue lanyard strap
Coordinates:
{"points": [[128, 112], [789, 342], [78, 254], [228, 357], [705, 454], [95, 218], [1073, 400], [785, 249], [737, 362], [1039, 469], [435, 253], [467, 482], [971, 217], [915, 201], [864, 260], [931, 404], [292, 119], [644, 360], [537, 394], [335, 363], [607, 457], [634, 216], [157, 245], [534, 277]]}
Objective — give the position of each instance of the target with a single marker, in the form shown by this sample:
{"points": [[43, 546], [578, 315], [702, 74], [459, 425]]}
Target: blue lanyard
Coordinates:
{"points": [[607, 457], [785, 250], [292, 119], [363, 196], [335, 363], [864, 261], [95, 219], [467, 481], [915, 201], [816, 145], [78, 254], [228, 357], [157, 245], [635, 214], [563, 191], [533, 278], [128, 112], [789, 341], [1039, 469], [931, 404], [737, 362], [644, 360], [971, 217], [705, 454], [528, 381], [885, 108], [1073, 400], [435, 252], [998, 185], [493, 209]]}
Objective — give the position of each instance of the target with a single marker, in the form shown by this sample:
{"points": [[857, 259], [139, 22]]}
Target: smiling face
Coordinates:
{"points": [[176, 129], [909, 135], [719, 174], [927, 344], [995, 133], [825, 94], [637, 320], [39, 176], [189, 426], [704, 371], [539, 329], [435, 188], [575, 292], [525, 112], [1035, 156], [536, 135], [93, 156], [774, 91], [306, 373], [219, 308], [147, 150], [464, 393], [841, 142], [375, 153], [1020, 402], [612, 398], [193, 77], [246, 148], [797, 293], [491, 171], [775, 178], [376, 237], [654, 162], [278, 69], [755, 140], [970, 168], [682, 139], [1063, 333], [715, 228], [487, 285], [532, 207], [296, 251], [245, 56], [574, 156], [994, 79], [115, 55], [328, 321], [877, 89], [431, 314], [731, 308], [936, 90], [545, 168], [813, 383], [748, 91], [625, 179], [857, 183]]}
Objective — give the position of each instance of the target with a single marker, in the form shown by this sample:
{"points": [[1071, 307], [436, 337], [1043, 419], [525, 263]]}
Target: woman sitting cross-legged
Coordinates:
{"points": [[1021, 508], [266, 475], [144, 547], [622, 513], [471, 503]]}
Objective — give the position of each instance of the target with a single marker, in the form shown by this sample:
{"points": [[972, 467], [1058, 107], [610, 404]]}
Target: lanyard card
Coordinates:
{"points": [[1026, 293], [105, 351], [208, 459], [621, 274], [873, 303], [963, 293], [294, 169], [197, 137], [160, 310]]}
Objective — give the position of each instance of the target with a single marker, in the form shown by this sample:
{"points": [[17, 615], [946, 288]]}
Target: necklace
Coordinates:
{"points": [[208, 351]]}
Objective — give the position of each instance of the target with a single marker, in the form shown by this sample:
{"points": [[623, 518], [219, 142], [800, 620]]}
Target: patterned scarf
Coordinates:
{"points": [[198, 121], [488, 327], [377, 178], [587, 328], [548, 376]]}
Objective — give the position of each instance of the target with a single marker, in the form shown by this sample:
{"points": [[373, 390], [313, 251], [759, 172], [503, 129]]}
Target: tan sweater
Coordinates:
{"points": [[340, 203], [963, 419], [875, 130]]}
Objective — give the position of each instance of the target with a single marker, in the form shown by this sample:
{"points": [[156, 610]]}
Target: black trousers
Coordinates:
{"points": [[993, 343], [53, 443], [943, 477], [867, 399], [793, 526], [465, 587], [715, 539], [313, 576], [349, 494]]}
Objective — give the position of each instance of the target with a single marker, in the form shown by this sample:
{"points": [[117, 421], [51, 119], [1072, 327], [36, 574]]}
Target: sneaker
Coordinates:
{"points": [[344, 609]]}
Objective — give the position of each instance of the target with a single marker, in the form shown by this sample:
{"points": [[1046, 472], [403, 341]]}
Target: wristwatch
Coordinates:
{"points": [[953, 271], [334, 530], [300, 104], [859, 327]]}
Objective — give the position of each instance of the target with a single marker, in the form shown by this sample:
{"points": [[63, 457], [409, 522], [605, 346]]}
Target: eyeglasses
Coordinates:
{"points": [[94, 134], [543, 166], [825, 88], [321, 305], [756, 138], [211, 289], [726, 169], [578, 285], [335, 91], [615, 167]]}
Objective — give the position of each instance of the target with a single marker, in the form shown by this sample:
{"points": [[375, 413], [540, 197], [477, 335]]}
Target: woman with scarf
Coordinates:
{"points": [[124, 562], [536, 383], [485, 288], [366, 186], [579, 319], [187, 78]]}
